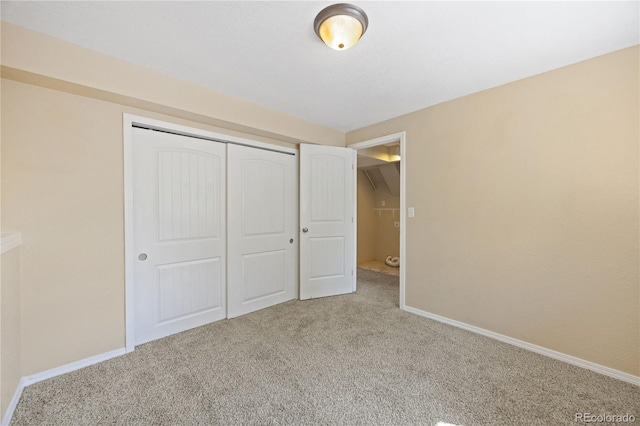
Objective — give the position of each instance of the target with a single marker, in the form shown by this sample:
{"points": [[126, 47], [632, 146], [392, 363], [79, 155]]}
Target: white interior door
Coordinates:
{"points": [[261, 228], [327, 260], [179, 233]]}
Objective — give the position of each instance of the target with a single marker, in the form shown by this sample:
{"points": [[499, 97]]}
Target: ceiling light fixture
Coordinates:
{"points": [[341, 25]]}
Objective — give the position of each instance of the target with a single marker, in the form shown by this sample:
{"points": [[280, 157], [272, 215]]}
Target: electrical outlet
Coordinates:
{"points": [[383, 203], [412, 212]]}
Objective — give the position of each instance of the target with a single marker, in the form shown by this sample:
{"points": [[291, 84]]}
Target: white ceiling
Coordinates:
{"points": [[414, 54]]}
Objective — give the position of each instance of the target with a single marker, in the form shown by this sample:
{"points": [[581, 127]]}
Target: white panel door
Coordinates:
{"points": [[327, 260], [262, 228], [179, 232]]}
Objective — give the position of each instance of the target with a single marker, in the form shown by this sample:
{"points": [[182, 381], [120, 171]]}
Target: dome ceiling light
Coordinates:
{"points": [[341, 25]]}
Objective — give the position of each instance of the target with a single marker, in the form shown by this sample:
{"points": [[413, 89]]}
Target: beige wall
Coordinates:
{"points": [[366, 220], [377, 235], [10, 330], [62, 188], [38, 59], [526, 201], [387, 235], [62, 180]]}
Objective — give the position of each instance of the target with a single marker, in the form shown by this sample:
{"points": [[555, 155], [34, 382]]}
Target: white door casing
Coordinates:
{"points": [[262, 225], [179, 233], [327, 260]]}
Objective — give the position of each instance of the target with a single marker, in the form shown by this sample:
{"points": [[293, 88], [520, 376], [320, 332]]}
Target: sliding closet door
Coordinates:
{"points": [[262, 228], [179, 232]]}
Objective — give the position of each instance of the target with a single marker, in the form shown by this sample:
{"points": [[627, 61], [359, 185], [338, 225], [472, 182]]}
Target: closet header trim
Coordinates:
{"points": [[206, 138]]}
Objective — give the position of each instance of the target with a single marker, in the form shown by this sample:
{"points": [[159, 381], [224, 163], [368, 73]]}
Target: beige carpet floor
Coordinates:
{"points": [[349, 360]]}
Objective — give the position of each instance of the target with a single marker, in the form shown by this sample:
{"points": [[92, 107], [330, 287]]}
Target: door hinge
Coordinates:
{"points": [[353, 166]]}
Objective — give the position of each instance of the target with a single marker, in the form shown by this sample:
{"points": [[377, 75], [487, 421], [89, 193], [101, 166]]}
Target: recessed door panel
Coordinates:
{"points": [[263, 197], [189, 288], [327, 257], [189, 195], [264, 275], [327, 192]]}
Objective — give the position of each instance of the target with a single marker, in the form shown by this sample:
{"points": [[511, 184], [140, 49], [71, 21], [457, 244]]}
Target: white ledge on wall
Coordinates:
{"points": [[9, 241]]}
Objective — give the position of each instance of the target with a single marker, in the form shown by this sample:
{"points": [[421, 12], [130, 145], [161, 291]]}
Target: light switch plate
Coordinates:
{"points": [[412, 212]]}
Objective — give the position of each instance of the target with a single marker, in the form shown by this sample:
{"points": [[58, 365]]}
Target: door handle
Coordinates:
{"points": [[305, 230], [142, 256]]}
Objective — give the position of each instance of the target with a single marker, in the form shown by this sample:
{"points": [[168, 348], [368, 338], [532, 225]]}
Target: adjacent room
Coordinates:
{"points": [[305, 212], [378, 209]]}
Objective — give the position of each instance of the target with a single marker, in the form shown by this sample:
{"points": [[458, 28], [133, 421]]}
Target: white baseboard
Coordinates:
{"points": [[67, 368], [13, 404], [607, 371]]}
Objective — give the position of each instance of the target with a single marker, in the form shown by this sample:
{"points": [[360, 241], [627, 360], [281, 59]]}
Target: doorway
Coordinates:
{"points": [[379, 209], [381, 206]]}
